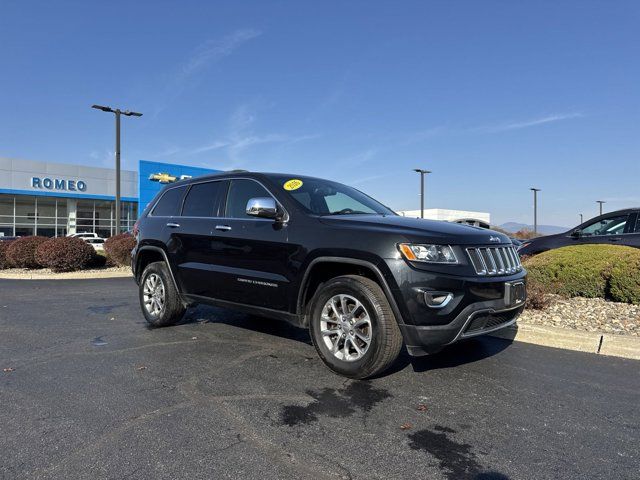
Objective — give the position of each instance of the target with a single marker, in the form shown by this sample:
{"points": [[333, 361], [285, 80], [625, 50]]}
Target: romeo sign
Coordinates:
{"points": [[46, 183]]}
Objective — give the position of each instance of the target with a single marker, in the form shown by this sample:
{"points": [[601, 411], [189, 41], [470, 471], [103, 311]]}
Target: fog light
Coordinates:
{"points": [[437, 299]]}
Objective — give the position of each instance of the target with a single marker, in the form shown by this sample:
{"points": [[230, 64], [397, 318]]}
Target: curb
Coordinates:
{"points": [[625, 346], [65, 275]]}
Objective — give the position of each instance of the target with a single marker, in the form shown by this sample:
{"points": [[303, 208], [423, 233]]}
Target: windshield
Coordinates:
{"points": [[322, 197]]}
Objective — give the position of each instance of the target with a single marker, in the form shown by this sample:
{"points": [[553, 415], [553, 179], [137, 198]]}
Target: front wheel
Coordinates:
{"points": [[353, 327], [159, 299]]}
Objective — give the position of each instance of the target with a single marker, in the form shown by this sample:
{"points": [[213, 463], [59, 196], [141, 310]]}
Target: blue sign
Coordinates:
{"points": [[153, 176], [62, 184]]}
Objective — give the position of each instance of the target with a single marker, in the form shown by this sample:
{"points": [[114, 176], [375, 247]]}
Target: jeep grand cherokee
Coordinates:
{"points": [[326, 257]]}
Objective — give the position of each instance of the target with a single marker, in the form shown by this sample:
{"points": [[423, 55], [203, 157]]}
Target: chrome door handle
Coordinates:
{"points": [[173, 225], [224, 228]]}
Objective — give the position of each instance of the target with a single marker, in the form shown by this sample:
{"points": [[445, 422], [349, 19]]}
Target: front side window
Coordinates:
{"points": [[170, 203], [322, 197], [606, 226], [240, 192], [203, 199]]}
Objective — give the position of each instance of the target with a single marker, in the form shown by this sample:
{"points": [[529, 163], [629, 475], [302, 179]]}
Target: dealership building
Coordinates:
{"points": [[49, 199]]}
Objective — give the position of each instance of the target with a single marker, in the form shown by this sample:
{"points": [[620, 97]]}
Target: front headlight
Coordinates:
{"points": [[428, 253]]}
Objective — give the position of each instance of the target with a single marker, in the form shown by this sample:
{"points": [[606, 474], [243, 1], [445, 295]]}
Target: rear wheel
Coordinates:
{"points": [[159, 299], [353, 328]]}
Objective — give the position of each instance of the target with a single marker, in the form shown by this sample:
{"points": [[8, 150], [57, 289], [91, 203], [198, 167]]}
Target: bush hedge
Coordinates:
{"points": [[118, 249], [595, 271], [21, 252], [65, 254], [4, 263], [624, 283]]}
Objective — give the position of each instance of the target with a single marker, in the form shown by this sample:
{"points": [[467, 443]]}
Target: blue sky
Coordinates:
{"points": [[493, 96]]}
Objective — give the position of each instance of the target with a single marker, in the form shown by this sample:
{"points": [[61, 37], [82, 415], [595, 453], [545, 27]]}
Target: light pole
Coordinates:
{"points": [[422, 174], [581, 221], [117, 113], [600, 202], [535, 209]]}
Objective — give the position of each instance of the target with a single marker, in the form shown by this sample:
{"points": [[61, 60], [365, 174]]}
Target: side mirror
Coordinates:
{"points": [[576, 233], [264, 207]]}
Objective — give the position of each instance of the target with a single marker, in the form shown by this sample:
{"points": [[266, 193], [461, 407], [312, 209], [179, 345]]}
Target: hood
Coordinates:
{"points": [[418, 229]]}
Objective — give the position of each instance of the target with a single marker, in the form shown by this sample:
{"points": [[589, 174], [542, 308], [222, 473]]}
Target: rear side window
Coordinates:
{"points": [[203, 199], [170, 203], [240, 192]]}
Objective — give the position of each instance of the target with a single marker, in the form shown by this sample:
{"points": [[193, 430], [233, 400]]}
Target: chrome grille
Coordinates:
{"points": [[494, 260]]}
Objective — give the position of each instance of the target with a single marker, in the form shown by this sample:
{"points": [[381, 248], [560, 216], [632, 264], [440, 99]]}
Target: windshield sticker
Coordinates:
{"points": [[293, 184]]}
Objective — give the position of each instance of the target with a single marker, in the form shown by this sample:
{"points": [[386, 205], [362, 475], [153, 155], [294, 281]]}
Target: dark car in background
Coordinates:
{"points": [[516, 241], [621, 227]]}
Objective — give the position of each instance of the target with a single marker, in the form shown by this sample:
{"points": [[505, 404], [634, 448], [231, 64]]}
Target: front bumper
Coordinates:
{"points": [[476, 319], [477, 305]]}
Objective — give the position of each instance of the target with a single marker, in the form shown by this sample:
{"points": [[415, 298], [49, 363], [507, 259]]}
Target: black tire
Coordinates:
{"points": [[172, 309], [384, 334]]}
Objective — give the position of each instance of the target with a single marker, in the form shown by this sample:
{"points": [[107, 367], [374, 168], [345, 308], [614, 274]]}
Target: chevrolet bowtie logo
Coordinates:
{"points": [[162, 178]]}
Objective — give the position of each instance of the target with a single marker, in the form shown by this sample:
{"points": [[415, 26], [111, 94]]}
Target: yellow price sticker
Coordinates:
{"points": [[293, 184]]}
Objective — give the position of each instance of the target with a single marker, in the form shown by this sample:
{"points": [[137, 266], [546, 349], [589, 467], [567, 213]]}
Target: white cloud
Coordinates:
{"points": [[426, 134], [214, 50], [534, 122], [204, 55], [217, 145], [359, 158], [241, 136], [368, 179]]}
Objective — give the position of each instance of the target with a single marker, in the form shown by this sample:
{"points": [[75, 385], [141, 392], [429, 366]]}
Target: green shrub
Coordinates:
{"points": [[65, 254], [4, 263], [118, 249], [21, 253], [594, 271], [624, 284]]}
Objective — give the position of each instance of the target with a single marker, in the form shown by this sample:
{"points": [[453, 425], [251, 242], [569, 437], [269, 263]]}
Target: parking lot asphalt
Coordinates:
{"points": [[88, 391]]}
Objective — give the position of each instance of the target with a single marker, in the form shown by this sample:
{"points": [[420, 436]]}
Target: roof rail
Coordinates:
{"points": [[237, 171]]}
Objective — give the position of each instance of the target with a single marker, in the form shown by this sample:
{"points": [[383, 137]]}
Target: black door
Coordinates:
{"points": [[163, 218], [250, 257], [192, 243]]}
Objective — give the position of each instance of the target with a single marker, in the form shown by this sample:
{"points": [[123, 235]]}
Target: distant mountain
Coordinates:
{"points": [[542, 229]]}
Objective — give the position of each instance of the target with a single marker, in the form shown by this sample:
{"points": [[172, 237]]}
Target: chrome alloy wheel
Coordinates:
{"points": [[153, 294], [346, 327]]}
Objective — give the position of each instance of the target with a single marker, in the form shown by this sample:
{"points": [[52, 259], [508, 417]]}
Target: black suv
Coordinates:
{"points": [[324, 256], [615, 228]]}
